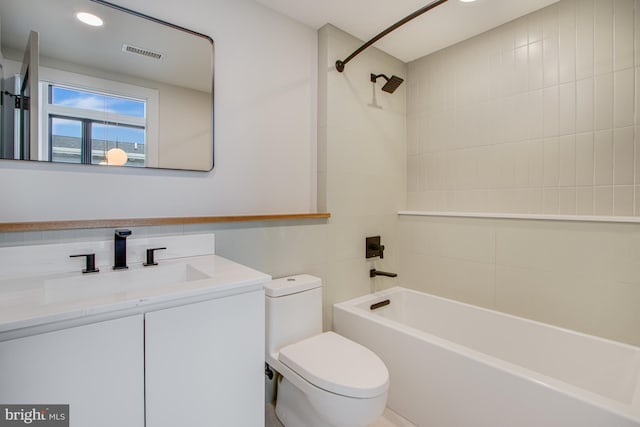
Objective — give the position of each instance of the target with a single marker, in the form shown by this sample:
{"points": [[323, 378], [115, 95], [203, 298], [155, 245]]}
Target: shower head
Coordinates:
{"points": [[392, 83]]}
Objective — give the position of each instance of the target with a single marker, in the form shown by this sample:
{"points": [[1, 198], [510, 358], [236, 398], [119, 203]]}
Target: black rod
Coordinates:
{"points": [[340, 64]]}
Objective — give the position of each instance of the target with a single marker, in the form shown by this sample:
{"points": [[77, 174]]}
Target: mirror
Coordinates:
{"points": [[133, 91]]}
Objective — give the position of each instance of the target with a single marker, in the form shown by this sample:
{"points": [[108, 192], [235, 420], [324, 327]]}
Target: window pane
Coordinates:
{"points": [[66, 140], [96, 102], [110, 136]]}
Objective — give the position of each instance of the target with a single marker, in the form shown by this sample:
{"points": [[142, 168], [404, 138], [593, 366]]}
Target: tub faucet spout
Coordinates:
{"points": [[373, 273]]}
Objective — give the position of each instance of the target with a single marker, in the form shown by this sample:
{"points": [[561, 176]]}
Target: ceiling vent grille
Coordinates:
{"points": [[141, 51]]}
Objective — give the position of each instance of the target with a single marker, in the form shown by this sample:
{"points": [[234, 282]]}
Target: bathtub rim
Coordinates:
{"points": [[630, 411]]}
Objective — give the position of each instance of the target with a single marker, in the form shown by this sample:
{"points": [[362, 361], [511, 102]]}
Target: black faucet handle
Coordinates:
{"points": [[373, 247], [90, 262], [150, 256]]}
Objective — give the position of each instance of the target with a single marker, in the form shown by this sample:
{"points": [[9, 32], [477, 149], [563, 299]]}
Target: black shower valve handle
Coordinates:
{"points": [[373, 247]]}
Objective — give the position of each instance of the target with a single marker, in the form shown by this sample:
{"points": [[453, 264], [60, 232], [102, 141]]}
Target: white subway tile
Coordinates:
{"points": [[584, 159], [567, 201], [584, 201], [623, 200], [536, 163], [636, 144], [603, 201], [507, 73], [534, 21], [567, 41], [536, 69], [603, 25], [604, 101], [413, 135], [550, 21], [551, 163], [550, 201], [521, 32], [623, 143], [534, 197], [567, 108], [507, 165], [584, 39], [584, 105], [637, 88], [535, 114], [623, 34], [567, 161], [413, 174], [637, 32], [550, 59], [521, 69], [521, 153], [623, 102], [551, 99], [603, 157]]}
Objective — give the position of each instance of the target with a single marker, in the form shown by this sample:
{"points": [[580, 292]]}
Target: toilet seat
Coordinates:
{"points": [[337, 365]]}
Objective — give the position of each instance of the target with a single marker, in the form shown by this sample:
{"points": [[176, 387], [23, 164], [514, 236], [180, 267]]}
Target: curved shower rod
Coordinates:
{"points": [[340, 64]]}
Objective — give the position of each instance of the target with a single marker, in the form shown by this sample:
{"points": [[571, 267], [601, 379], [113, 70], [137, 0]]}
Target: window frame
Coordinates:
{"points": [[53, 77]]}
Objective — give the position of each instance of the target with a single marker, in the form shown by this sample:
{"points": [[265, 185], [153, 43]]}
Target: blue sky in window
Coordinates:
{"points": [[97, 102]]}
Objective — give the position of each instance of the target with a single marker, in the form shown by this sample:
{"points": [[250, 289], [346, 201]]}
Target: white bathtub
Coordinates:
{"points": [[457, 365]]}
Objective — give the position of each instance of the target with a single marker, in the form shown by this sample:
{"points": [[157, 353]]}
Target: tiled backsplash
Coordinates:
{"points": [[537, 116]]}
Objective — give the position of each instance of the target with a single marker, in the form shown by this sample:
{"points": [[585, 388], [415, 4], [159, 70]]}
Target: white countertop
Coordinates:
{"points": [[28, 302]]}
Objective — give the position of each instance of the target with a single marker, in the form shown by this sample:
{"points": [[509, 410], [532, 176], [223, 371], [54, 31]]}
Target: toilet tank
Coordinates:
{"points": [[293, 310]]}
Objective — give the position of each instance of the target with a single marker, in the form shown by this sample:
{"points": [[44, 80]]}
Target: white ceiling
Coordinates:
{"points": [[443, 26]]}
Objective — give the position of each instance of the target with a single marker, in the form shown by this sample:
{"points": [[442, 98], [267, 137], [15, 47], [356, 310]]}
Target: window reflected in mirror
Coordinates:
{"points": [[95, 128]]}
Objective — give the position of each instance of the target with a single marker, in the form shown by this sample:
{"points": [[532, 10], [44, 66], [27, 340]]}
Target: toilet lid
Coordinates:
{"points": [[338, 365]]}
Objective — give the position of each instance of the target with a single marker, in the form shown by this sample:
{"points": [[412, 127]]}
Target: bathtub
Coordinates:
{"points": [[457, 365]]}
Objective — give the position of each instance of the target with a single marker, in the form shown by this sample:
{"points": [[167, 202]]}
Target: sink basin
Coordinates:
{"points": [[102, 284]]}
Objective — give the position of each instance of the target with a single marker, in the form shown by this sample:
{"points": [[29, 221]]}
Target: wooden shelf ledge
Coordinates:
{"points": [[6, 227]]}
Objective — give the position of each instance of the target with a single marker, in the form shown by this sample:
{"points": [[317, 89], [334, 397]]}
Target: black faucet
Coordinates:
{"points": [[120, 249], [373, 273]]}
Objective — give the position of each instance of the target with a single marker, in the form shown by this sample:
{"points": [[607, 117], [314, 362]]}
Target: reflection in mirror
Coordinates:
{"points": [[129, 90]]}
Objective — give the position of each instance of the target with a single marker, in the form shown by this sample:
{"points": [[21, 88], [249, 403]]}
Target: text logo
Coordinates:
{"points": [[34, 415]]}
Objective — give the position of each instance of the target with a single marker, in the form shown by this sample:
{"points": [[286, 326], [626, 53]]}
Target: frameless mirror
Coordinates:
{"points": [[116, 88]]}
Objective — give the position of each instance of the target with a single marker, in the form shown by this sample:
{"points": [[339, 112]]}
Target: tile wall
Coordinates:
{"points": [[537, 116], [579, 275], [361, 158]]}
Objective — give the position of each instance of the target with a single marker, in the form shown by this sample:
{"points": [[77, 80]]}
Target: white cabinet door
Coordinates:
{"points": [[205, 363], [97, 369]]}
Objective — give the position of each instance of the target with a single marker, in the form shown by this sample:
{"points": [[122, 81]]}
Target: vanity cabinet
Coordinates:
{"points": [[98, 369], [197, 364], [204, 363]]}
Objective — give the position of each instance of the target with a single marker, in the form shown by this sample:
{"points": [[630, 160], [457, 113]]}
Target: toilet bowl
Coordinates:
{"points": [[327, 380]]}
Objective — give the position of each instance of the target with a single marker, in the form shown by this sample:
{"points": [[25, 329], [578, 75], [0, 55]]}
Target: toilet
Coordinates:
{"points": [[326, 379]]}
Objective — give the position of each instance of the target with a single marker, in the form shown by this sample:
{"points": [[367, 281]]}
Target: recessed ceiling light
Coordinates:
{"points": [[89, 19]]}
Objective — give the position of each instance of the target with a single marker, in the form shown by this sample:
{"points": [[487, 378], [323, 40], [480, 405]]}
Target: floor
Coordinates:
{"points": [[388, 419]]}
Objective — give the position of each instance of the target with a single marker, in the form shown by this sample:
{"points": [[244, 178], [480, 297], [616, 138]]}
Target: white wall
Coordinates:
{"points": [[535, 116], [265, 132], [361, 158]]}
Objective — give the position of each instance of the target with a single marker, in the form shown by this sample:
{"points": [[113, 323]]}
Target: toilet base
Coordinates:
{"points": [[294, 409]]}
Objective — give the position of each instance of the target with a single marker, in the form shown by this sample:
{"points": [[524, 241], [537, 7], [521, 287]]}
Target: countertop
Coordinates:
{"points": [[31, 302]]}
